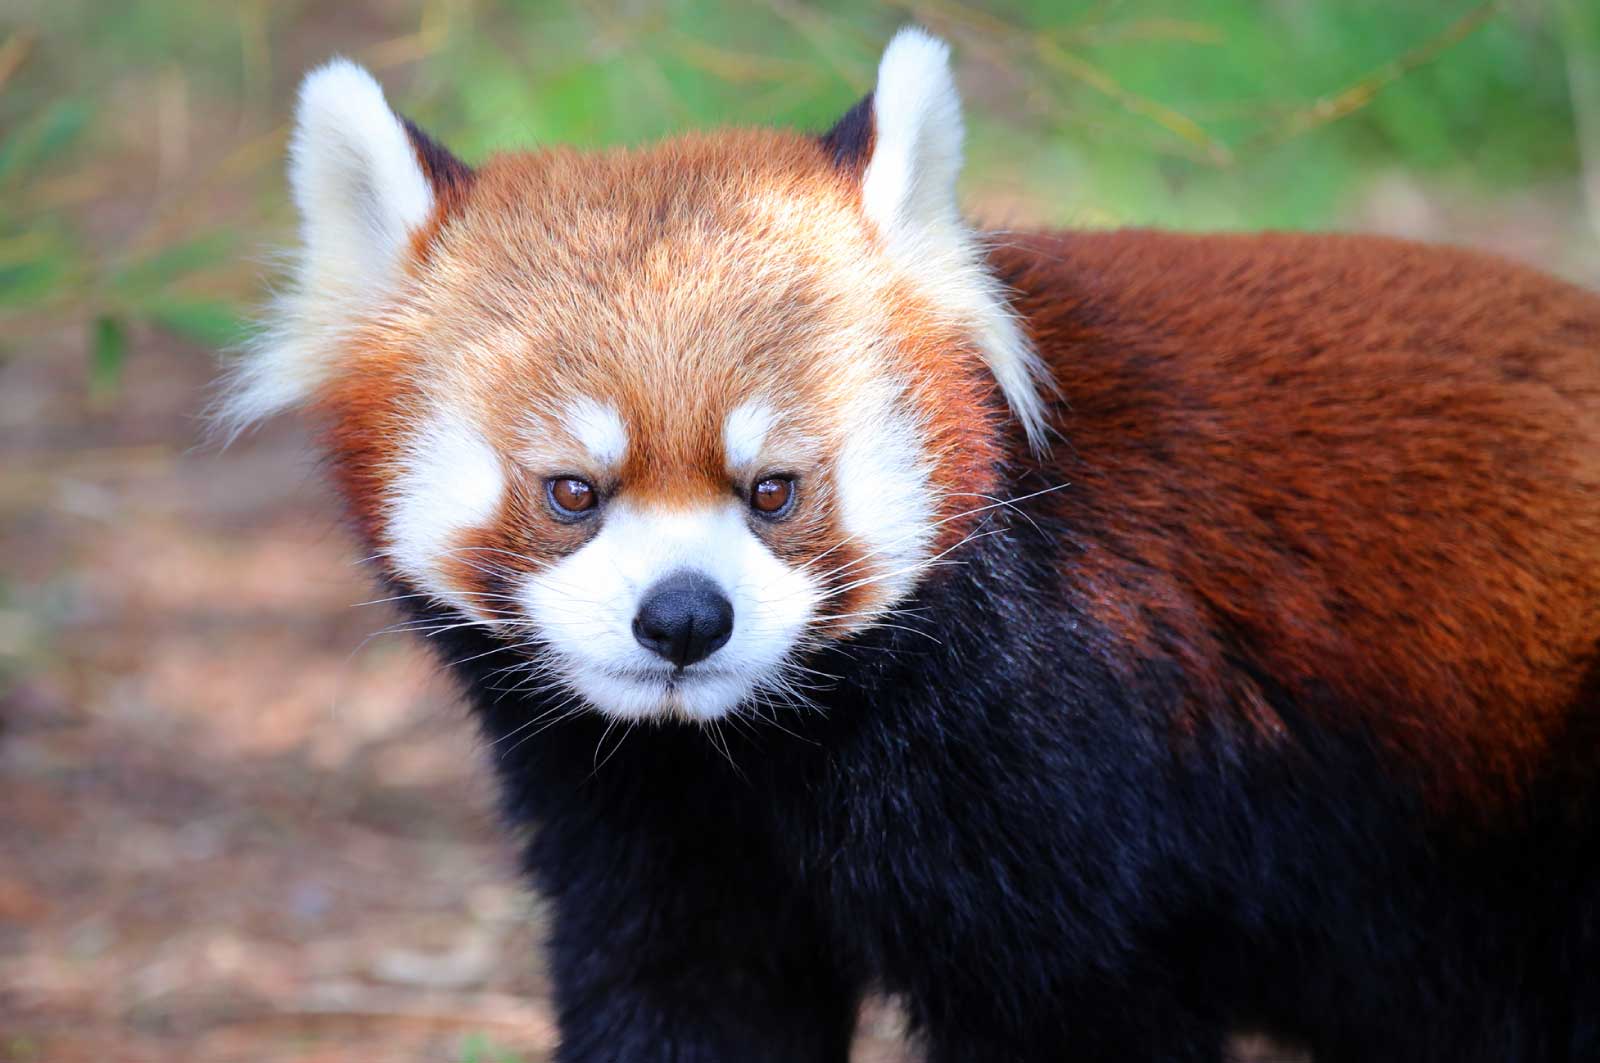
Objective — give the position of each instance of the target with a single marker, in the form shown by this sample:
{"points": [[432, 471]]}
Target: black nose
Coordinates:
{"points": [[684, 618]]}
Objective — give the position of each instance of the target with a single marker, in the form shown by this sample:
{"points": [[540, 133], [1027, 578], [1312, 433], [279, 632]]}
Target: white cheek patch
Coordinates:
{"points": [[584, 607], [450, 480], [598, 428], [886, 500], [744, 433]]}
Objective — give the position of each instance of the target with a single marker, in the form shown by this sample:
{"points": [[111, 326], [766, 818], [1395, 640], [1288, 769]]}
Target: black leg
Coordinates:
{"points": [[1131, 1029]]}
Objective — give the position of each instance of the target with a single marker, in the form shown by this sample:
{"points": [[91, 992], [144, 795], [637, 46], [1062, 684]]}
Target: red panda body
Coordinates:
{"points": [[1102, 642], [1367, 469]]}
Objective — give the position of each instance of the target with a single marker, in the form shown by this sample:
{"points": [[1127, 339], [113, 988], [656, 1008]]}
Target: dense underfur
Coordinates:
{"points": [[1084, 804]]}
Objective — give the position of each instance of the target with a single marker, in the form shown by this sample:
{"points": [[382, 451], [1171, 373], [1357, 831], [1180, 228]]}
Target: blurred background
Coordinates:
{"points": [[237, 824]]}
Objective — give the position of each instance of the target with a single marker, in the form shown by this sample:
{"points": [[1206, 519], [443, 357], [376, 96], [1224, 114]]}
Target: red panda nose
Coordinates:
{"points": [[684, 618]]}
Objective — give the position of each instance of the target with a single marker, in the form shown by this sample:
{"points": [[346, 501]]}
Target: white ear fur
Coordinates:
{"points": [[909, 193], [361, 191], [356, 179], [917, 134]]}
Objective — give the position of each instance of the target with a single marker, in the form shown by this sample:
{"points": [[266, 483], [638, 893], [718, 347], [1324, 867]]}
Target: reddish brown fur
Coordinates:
{"points": [[365, 414], [672, 282], [1370, 468]]}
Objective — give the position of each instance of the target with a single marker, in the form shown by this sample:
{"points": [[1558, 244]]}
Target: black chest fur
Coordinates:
{"points": [[982, 816]]}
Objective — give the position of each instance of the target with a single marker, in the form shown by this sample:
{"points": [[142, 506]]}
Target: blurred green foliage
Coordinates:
{"points": [[1205, 113], [476, 1048]]}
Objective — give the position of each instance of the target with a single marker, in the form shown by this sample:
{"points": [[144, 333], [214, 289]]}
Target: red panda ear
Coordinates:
{"points": [[447, 174], [905, 142], [915, 156], [849, 142], [364, 181], [357, 179]]}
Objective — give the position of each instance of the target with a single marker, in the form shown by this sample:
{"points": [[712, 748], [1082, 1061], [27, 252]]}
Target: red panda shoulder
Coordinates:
{"points": [[1362, 471]]}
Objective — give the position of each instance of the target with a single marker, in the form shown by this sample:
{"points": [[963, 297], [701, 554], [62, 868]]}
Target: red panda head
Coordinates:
{"points": [[668, 417]]}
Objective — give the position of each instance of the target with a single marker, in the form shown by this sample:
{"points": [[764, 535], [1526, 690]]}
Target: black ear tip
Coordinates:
{"points": [[444, 171], [849, 142]]}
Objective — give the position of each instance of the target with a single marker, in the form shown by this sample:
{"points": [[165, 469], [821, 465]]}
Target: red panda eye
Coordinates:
{"points": [[772, 496], [570, 496]]}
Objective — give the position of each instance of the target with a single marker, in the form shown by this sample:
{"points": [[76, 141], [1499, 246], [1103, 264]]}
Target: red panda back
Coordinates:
{"points": [[1362, 472]]}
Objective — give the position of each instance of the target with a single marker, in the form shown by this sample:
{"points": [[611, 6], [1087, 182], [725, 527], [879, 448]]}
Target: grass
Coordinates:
{"points": [[141, 144]]}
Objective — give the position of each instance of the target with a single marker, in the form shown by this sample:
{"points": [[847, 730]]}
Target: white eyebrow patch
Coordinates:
{"points": [[744, 432], [598, 428]]}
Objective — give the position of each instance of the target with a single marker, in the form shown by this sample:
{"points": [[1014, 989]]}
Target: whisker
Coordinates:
{"points": [[626, 731]]}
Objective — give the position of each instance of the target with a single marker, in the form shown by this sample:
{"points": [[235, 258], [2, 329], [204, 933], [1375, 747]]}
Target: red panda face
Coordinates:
{"points": [[614, 381], [667, 419]]}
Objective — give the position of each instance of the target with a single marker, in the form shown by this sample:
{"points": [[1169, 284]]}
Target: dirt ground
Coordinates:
{"points": [[233, 829]]}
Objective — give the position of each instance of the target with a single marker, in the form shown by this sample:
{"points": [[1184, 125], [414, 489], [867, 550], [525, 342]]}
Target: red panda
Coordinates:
{"points": [[1100, 641]]}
